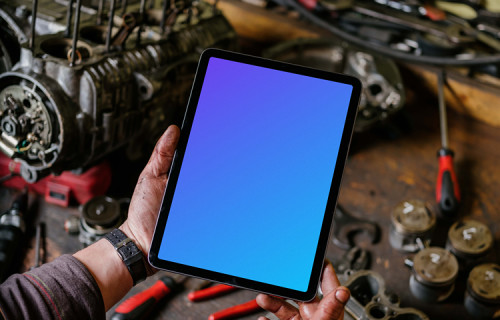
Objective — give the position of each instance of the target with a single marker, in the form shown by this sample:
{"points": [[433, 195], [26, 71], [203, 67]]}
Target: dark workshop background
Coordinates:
{"points": [[391, 162]]}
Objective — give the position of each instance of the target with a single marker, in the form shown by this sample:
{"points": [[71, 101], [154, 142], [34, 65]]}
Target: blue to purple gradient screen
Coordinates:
{"points": [[256, 174]]}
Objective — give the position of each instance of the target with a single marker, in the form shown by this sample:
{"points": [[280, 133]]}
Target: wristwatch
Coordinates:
{"points": [[129, 253]]}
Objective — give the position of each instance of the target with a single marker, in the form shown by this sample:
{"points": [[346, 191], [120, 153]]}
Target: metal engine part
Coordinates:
{"points": [[370, 299], [411, 220], [434, 272], [469, 240], [383, 90], [70, 101], [99, 216], [482, 298]]}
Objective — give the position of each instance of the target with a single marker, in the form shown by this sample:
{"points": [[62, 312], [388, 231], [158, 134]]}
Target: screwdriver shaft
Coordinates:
{"points": [[442, 109]]}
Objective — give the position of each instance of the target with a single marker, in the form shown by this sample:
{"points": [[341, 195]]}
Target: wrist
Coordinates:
{"points": [[108, 270], [130, 254], [142, 244]]}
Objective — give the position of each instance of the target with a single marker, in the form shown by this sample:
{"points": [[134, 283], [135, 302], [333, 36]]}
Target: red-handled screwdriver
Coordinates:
{"points": [[210, 292], [236, 311], [140, 305], [447, 190]]}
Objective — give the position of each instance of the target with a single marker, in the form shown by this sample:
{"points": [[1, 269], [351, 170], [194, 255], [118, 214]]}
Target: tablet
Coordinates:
{"points": [[254, 181]]}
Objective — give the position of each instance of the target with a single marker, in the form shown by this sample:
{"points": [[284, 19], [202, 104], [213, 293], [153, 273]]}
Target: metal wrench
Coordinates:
{"points": [[345, 226], [355, 259]]}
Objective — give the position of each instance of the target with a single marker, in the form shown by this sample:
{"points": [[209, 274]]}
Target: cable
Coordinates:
{"points": [[398, 55]]}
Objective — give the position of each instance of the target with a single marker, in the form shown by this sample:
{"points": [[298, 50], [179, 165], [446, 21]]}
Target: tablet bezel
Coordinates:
{"points": [[179, 155]]}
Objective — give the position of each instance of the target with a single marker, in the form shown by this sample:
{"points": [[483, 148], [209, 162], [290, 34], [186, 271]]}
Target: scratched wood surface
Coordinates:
{"points": [[390, 164]]}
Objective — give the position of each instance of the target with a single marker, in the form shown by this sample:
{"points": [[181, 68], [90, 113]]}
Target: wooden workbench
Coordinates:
{"points": [[387, 165]]}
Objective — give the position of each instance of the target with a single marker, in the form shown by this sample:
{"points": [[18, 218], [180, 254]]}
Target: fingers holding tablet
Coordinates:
{"points": [[219, 196], [331, 307]]}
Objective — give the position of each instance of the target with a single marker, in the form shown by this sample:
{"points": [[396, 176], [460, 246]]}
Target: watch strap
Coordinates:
{"points": [[130, 254]]}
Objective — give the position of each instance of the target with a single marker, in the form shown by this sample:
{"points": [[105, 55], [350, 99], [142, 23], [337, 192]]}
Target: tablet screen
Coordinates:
{"points": [[251, 193]]}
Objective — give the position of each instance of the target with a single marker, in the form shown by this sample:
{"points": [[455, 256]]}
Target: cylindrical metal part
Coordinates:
{"points": [[469, 239], [124, 6], [142, 10], [411, 220], [100, 8], [434, 272], [110, 25], [166, 6], [12, 228], [33, 25], [11, 140], [69, 16], [442, 109], [100, 215], [76, 31], [9, 152], [482, 298]]}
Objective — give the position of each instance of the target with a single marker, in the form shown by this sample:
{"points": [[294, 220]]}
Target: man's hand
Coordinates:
{"points": [[146, 200], [331, 307]]}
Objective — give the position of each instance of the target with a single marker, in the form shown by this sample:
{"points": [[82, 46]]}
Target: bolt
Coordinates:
{"points": [[409, 263]]}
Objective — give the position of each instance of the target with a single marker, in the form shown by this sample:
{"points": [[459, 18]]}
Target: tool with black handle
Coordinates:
{"points": [[12, 229], [140, 305], [447, 190]]}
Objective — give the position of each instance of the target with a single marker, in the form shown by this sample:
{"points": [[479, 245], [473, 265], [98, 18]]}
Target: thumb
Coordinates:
{"points": [[160, 160], [332, 305]]}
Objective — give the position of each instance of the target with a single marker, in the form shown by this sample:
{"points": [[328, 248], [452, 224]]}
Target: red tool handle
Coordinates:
{"points": [[309, 4], [209, 293], [236, 311], [141, 304], [447, 190]]}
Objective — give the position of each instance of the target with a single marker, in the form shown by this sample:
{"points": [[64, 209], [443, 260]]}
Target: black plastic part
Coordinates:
{"points": [[140, 312], [172, 284], [445, 152], [448, 203], [21, 202], [10, 237]]}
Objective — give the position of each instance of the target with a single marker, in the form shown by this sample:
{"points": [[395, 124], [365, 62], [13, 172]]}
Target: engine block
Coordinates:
{"points": [[123, 85]]}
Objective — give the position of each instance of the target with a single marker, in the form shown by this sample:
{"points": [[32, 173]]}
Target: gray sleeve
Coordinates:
{"points": [[62, 289]]}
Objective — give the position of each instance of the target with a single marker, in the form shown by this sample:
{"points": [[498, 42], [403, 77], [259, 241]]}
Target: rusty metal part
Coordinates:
{"points": [[354, 259], [99, 216], [469, 239], [346, 226], [411, 220], [434, 272], [58, 115], [482, 298], [371, 299], [383, 90]]}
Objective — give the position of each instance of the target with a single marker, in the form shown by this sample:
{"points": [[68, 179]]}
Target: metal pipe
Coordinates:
{"points": [[100, 8], [124, 7], [33, 22], [166, 6], [110, 25], [69, 16], [139, 30], [75, 31], [442, 109]]}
